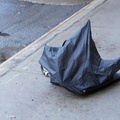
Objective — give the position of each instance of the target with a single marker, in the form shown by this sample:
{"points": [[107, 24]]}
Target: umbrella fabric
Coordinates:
{"points": [[77, 64]]}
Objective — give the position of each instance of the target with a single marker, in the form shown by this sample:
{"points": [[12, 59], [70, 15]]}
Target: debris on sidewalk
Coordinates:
{"points": [[12, 117]]}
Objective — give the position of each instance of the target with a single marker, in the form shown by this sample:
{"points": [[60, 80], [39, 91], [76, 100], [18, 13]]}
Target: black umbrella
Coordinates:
{"points": [[77, 64]]}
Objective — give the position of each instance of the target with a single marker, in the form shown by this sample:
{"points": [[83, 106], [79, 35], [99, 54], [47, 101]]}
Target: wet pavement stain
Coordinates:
{"points": [[4, 34], [3, 57], [8, 52]]}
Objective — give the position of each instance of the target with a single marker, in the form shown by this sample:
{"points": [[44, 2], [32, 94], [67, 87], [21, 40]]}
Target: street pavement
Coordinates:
{"points": [[27, 94], [21, 23], [60, 2]]}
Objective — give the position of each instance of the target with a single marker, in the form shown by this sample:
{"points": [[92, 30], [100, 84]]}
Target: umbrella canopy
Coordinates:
{"points": [[77, 64]]}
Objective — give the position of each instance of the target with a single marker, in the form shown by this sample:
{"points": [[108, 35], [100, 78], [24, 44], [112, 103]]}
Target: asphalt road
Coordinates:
{"points": [[60, 2], [21, 23]]}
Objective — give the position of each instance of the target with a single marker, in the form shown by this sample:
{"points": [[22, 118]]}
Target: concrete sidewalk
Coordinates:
{"points": [[28, 95]]}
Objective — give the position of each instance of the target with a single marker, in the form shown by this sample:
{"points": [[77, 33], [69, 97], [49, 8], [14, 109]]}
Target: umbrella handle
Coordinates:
{"points": [[45, 72]]}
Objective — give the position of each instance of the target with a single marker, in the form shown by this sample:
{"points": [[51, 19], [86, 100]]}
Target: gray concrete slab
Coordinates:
{"points": [[27, 94]]}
